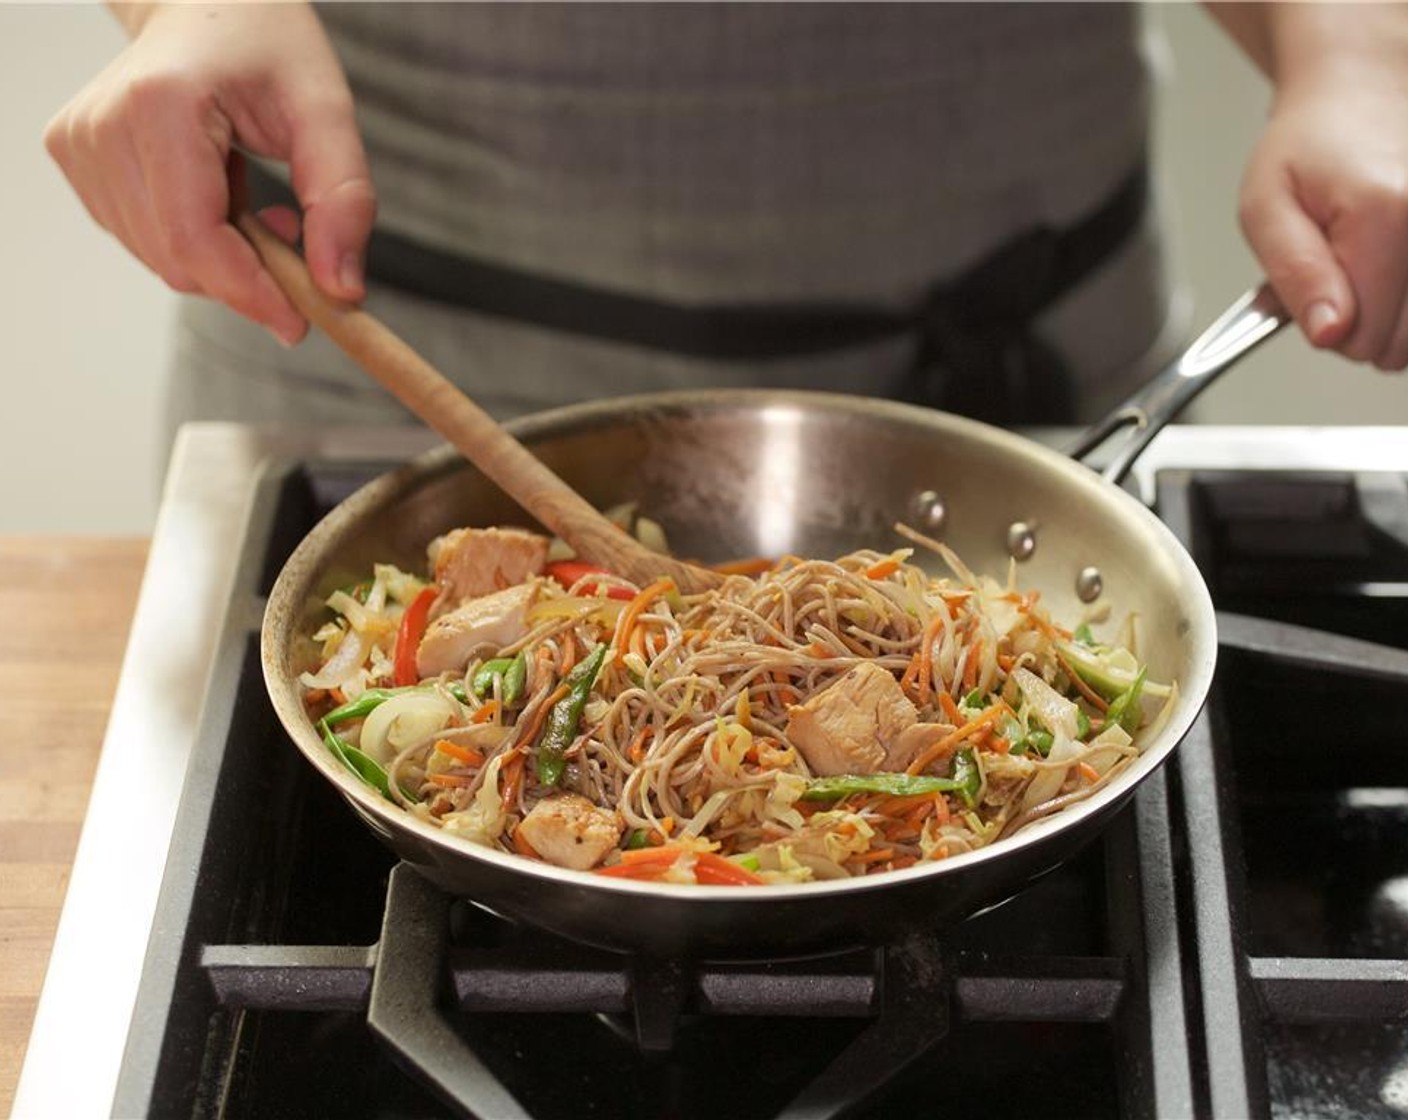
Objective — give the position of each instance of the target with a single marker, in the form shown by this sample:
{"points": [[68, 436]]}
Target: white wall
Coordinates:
{"points": [[84, 326]]}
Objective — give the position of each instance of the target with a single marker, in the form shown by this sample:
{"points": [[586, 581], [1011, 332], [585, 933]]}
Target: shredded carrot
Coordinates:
{"points": [[900, 805], [638, 643], [916, 815], [817, 650], [1000, 745], [1027, 606], [886, 567], [714, 870], [486, 712], [1084, 689], [667, 825], [982, 720], [709, 867], [337, 696], [911, 674], [636, 751], [950, 707], [512, 774], [970, 667], [1088, 772], [468, 755], [903, 861], [450, 781], [635, 608], [926, 657], [751, 566], [633, 871], [653, 855], [941, 810], [535, 725], [569, 652], [1005, 661]]}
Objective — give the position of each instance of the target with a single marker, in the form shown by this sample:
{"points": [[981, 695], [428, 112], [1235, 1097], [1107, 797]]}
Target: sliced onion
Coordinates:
{"points": [[1059, 715], [397, 723], [341, 666], [1107, 748], [356, 614], [1048, 781], [705, 817]]}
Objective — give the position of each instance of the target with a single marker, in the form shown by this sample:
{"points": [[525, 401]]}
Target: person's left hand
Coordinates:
{"points": [[1324, 201]]}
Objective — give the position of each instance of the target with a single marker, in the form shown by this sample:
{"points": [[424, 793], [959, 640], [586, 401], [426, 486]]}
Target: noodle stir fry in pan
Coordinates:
{"points": [[807, 720]]}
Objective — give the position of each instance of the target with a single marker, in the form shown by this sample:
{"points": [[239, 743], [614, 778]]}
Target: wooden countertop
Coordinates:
{"points": [[66, 605]]}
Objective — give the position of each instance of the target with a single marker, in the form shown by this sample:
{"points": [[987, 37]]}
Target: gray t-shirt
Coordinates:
{"points": [[744, 153]]}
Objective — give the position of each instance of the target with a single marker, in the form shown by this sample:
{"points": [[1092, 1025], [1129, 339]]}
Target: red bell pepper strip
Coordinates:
{"points": [[408, 637], [569, 572]]}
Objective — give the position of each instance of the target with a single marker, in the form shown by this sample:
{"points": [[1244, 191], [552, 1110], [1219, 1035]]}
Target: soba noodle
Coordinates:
{"points": [[650, 735]]}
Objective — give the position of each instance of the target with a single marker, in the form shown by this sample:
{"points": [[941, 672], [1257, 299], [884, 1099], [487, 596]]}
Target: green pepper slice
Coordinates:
{"points": [[364, 766], [964, 781], [512, 670], [1124, 709], [565, 717], [967, 776]]}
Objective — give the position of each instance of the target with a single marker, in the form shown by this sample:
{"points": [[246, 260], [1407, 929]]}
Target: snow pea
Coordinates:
{"points": [[565, 717]]}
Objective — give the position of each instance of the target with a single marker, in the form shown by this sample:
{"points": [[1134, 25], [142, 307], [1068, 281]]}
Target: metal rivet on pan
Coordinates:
{"points": [[1089, 584], [929, 511], [1021, 540]]}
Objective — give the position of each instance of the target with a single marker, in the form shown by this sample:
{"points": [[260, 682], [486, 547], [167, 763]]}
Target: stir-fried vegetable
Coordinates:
{"points": [[365, 768], [408, 637], [565, 717], [371, 698], [817, 719], [964, 781], [512, 672]]}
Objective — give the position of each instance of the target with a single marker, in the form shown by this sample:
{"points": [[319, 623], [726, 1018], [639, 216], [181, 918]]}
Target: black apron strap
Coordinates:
{"points": [[977, 353]]}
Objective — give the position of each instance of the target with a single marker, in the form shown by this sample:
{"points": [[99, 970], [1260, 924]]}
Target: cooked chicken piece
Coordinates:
{"points": [[913, 741], [472, 562], [568, 830], [845, 728], [491, 620]]}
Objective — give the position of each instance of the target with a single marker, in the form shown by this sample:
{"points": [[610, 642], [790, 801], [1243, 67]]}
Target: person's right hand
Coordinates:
{"points": [[149, 145]]}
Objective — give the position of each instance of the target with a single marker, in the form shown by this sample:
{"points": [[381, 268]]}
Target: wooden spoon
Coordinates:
{"points": [[440, 403]]}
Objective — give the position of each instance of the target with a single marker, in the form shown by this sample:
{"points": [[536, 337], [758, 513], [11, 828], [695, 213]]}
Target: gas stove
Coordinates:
{"points": [[234, 942]]}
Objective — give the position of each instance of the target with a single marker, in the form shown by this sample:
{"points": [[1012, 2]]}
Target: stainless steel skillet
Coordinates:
{"points": [[735, 473]]}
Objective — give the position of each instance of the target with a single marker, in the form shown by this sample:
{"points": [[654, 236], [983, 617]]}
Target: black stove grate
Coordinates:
{"points": [[1295, 795], [1196, 960]]}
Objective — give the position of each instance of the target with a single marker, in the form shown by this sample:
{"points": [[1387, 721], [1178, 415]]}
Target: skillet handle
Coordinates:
{"points": [[1250, 321]]}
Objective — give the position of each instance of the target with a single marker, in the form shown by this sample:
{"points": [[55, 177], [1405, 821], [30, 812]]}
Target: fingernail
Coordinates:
{"points": [[349, 274], [1320, 317], [286, 338]]}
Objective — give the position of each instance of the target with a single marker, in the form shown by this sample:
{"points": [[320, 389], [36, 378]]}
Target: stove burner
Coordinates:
{"points": [[1233, 945]]}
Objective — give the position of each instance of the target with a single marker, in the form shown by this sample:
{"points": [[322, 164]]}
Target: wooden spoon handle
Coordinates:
{"points": [[449, 411]]}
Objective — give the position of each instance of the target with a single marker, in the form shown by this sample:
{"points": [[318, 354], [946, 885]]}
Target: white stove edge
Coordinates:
{"points": [[90, 989]]}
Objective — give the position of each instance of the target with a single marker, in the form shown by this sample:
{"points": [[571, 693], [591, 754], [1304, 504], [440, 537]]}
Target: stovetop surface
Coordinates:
{"points": [[1234, 944]]}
